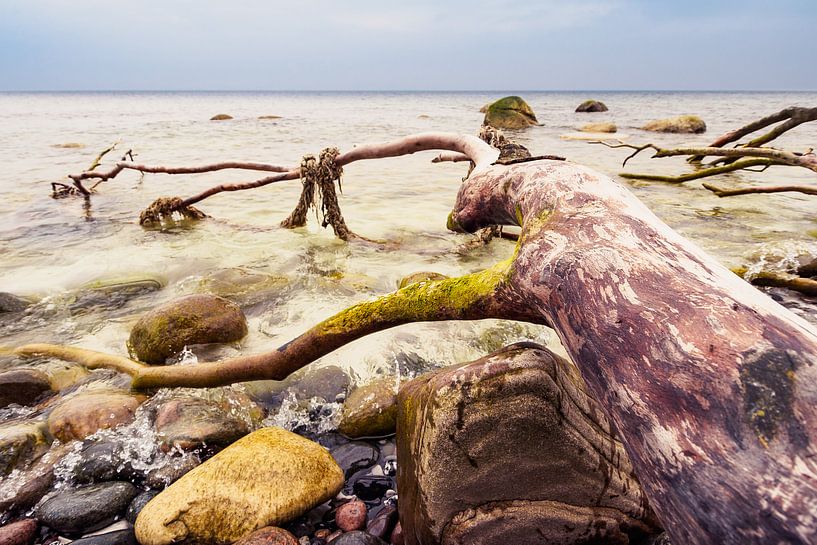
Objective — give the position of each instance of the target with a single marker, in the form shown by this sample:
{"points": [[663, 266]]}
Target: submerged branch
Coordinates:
{"points": [[724, 192]]}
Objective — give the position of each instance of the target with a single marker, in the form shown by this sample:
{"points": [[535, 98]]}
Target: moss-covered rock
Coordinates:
{"points": [[682, 124], [370, 410], [86, 413], [509, 113], [422, 276], [194, 319], [221, 117], [599, 127], [264, 479], [589, 106]]}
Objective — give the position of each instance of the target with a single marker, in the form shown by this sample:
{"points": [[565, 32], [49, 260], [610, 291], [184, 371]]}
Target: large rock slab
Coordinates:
{"points": [[264, 479], [509, 113], [511, 449], [195, 319]]}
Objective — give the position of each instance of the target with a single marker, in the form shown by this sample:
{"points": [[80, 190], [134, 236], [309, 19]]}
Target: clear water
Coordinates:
{"points": [[50, 248]]}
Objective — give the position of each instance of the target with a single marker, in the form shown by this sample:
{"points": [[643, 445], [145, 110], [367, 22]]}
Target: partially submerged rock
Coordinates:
{"points": [[23, 386], [509, 113], [599, 127], [221, 117], [86, 413], [511, 449], [115, 292], [12, 303], [194, 319], [370, 410], [681, 124], [589, 106], [270, 117], [81, 510], [192, 422], [264, 479], [243, 285], [21, 444]]}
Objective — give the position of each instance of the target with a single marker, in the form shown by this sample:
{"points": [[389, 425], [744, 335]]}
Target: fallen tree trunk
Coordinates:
{"points": [[711, 384]]}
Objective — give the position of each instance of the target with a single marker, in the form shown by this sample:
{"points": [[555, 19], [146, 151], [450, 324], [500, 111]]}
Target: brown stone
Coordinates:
{"points": [[221, 117], [86, 413], [370, 410], [397, 535], [22, 386], [351, 516], [493, 451], [21, 532], [189, 423], [269, 535]]}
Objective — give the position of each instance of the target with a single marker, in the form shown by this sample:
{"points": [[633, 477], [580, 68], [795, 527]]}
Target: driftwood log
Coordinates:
{"points": [[711, 384]]}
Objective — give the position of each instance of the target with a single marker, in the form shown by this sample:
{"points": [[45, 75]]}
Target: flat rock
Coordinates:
{"points": [[194, 319], [86, 413], [23, 386], [81, 510], [370, 410], [511, 449], [105, 461], [269, 535], [599, 127], [21, 532], [681, 124], [266, 478]]}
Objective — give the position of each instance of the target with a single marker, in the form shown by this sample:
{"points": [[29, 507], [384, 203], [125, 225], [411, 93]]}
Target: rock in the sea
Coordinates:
{"points": [[270, 535], [11, 303], [357, 538], [423, 276], [243, 285], [680, 124], [370, 410], [118, 537], [139, 503], [23, 386], [221, 117], [21, 532], [509, 113], [20, 444], [354, 456], [86, 413], [104, 461], [327, 383], [351, 516], [591, 106], [511, 449], [191, 422], [195, 319], [264, 479], [81, 510], [175, 469], [599, 127]]}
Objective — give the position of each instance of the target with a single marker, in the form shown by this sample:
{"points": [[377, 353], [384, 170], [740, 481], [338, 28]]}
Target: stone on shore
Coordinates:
{"points": [[509, 113], [20, 444], [370, 410], [599, 127], [21, 532], [590, 106], [191, 422], [270, 535], [221, 117], [682, 124], [80, 510], [267, 478], [84, 414], [511, 449], [195, 319]]}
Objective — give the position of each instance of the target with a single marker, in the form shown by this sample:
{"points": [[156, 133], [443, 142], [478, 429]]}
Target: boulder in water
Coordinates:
{"points": [[191, 422], [681, 124], [11, 303], [221, 117], [599, 127], [509, 113], [21, 444], [590, 106], [370, 410]]}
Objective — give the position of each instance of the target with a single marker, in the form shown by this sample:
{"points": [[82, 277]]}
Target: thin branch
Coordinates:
{"points": [[743, 164], [724, 192]]}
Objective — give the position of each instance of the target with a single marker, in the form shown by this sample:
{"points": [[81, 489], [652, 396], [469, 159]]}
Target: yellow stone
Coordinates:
{"points": [[264, 479]]}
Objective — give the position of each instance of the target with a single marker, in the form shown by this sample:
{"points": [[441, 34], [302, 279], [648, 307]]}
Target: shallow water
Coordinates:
{"points": [[50, 248]]}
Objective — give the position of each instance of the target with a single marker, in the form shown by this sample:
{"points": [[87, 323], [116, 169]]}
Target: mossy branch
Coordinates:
{"points": [[471, 297]]}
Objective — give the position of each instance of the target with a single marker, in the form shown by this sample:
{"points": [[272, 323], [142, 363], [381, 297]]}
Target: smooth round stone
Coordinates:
{"points": [[21, 444], [189, 423], [22, 386], [81, 510], [101, 462], [270, 535], [138, 503], [119, 537], [86, 413], [354, 456], [351, 516], [357, 538], [370, 410], [21, 532]]}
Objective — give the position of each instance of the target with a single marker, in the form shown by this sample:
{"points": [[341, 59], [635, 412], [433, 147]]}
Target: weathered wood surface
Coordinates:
{"points": [[712, 385]]}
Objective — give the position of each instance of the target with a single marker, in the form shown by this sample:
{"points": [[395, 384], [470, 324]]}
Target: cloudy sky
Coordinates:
{"points": [[426, 44]]}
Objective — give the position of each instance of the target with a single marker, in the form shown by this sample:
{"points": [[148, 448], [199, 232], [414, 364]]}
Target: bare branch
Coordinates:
{"points": [[724, 192], [743, 164]]}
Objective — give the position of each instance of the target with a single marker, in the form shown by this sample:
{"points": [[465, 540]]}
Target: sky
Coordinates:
{"points": [[407, 45]]}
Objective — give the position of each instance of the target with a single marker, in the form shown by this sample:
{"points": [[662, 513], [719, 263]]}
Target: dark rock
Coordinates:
{"points": [[397, 535], [195, 319], [12, 303], [370, 410], [807, 269], [591, 106], [661, 539], [119, 537], [103, 462], [357, 538], [113, 293], [473, 468], [326, 382], [372, 487], [269, 535], [38, 481], [162, 477], [354, 456], [23, 386], [80, 510], [189, 423], [509, 113], [139, 502], [383, 522], [21, 532], [351, 516]]}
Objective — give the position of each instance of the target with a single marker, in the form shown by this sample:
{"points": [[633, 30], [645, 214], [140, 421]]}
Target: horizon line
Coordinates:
{"points": [[9, 91]]}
